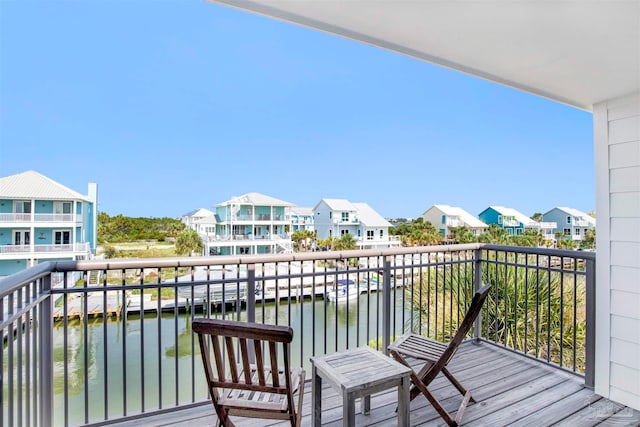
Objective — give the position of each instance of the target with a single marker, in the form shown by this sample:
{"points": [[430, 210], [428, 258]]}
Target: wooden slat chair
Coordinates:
{"points": [[436, 356], [261, 389]]}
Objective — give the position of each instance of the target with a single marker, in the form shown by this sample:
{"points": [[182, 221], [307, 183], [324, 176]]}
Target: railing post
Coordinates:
{"points": [[251, 302], [590, 342], [46, 353], [386, 304], [477, 284]]}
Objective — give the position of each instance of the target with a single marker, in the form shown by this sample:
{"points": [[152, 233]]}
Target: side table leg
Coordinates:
{"points": [[316, 391], [366, 404], [348, 410], [403, 402]]}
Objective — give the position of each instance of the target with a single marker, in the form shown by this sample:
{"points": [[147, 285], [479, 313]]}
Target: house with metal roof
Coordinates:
{"points": [[250, 224], [191, 219], [445, 218], [42, 220], [572, 223], [301, 218], [515, 222], [335, 217]]}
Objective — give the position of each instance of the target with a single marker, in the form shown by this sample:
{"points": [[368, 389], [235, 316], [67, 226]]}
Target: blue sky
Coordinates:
{"points": [[179, 104]]}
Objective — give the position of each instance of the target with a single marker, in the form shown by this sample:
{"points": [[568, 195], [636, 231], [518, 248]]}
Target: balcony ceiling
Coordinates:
{"points": [[575, 52]]}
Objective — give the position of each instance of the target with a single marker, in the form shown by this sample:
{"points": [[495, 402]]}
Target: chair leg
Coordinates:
{"points": [[463, 391], [435, 403]]}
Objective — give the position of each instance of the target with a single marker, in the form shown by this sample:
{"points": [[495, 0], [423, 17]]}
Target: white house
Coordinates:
{"points": [[335, 217], [42, 220], [572, 223], [445, 218], [190, 219], [301, 218], [585, 54], [250, 224]]}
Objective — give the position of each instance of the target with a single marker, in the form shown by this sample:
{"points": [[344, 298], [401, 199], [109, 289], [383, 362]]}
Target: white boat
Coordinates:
{"points": [[346, 290]]}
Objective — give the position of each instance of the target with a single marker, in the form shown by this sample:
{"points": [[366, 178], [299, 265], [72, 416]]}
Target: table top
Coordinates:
{"points": [[359, 368]]}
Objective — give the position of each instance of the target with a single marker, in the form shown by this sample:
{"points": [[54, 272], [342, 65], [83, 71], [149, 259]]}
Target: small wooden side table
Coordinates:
{"points": [[359, 373]]}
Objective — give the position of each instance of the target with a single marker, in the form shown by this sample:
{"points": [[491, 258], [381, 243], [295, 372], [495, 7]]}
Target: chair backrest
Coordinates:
{"points": [[252, 340], [467, 322]]}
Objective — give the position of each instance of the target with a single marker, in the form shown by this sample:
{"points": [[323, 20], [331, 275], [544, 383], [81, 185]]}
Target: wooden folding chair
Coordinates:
{"points": [[261, 389], [437, 356]]}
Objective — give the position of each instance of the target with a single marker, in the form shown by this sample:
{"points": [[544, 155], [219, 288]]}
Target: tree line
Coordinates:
{"points": [[120, 228]]}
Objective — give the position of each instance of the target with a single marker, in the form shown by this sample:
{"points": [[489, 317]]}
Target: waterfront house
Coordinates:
{"points": [[445, 218], [335, 217], [250, 224], [572, 223], [515, 222], [42, 220], [191, 219], [301, 218]]}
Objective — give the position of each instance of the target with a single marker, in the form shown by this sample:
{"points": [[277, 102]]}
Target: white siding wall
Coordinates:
{"points": [[617, 154]]}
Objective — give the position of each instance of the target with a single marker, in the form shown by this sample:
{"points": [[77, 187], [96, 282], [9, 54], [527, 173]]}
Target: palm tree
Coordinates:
{"points": [[463, 235], [188, 242]]}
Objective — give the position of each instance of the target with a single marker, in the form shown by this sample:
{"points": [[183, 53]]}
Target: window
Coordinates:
{"points": [[22, 207], [330, 214], [359, 234], [21, 238], [62, 208], [381, 234], [343, 232], [567, 232], [345, 216], [577, 232], [568, 220], [444, 219], [369, 234], [499, 219], [61, 237]]}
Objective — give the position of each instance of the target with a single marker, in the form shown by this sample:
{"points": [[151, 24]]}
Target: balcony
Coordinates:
{"points": [[38, 217], [40, 249], [113, 352]]}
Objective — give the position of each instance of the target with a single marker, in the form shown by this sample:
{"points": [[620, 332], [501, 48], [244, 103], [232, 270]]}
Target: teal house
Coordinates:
{"points": [[514, 222], [42, 220]]}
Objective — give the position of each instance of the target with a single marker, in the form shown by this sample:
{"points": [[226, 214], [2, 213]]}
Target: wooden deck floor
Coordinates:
{"points": [[509, 390]]}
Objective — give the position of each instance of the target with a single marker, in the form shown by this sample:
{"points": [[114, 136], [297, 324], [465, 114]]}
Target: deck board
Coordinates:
{"points": [[509, 389]]}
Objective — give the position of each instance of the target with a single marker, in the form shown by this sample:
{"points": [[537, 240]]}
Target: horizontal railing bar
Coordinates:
{"points": [[539, 251], [17, 280], [22, 311]]}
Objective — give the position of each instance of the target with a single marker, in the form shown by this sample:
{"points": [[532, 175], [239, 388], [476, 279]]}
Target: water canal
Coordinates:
{"points": [[160, 350]]}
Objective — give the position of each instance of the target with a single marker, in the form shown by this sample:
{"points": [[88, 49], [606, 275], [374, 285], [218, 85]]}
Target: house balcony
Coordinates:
{"points": [[453, 222], [580, 223], [510, 223], [40, 249], [21, 218], [122, 352]]}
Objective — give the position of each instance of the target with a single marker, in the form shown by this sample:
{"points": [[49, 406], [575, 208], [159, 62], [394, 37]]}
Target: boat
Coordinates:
{"points": [[346, 290]]}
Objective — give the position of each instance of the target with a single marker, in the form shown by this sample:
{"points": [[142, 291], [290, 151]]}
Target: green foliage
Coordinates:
{"points": [[189, 242], [303, 239], [419, 233], [589, 241], [528, 309], [568, 244], [346, 242], [495, 234], [120, 228], [110, 252], [463, 235]]}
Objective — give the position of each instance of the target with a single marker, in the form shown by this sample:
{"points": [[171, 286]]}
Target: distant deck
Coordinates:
{"points": [[509, 389]]}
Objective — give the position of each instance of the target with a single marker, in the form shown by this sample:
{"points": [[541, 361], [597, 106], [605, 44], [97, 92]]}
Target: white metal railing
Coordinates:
{"points": [[44, 248], [37, 217], [77, 353]]}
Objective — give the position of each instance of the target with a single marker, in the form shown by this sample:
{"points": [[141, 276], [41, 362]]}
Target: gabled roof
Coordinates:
{"points": [[211, 219], [201, 212], [575, 213], [519, 216], [298, 210], [255, 199], [342, 205], [369, 217], [464, 216], [33, 185]]}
